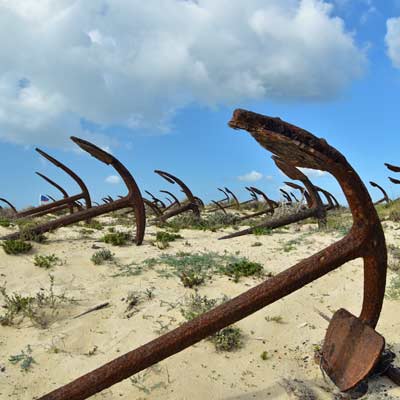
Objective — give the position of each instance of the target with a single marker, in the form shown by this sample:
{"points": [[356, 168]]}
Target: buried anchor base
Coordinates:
{"points": [[353, 352]]}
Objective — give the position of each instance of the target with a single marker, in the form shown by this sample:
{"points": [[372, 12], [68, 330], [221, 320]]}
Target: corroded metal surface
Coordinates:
{"points": [[191, 202], [132, 200], [365, 239], [385, 197], [351, 350]]}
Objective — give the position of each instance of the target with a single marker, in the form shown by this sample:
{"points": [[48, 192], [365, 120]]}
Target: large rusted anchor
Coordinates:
{"points": [[352, 348], [60, 204], [385, 197], [316, 208], [132, 200], [190, 204]]}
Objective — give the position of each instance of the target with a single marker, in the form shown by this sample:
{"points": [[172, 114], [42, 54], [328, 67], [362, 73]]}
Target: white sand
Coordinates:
{"points": [[198, 372]]}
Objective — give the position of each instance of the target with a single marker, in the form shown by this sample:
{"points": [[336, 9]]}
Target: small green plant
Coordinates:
{"points": [[134, 298], [5, 222], [264, 356], [24, 359], [261, 231], [256, 244], [40, 309], [111, 229], [243, 268], [163, 236], [277, 318], [16, 246], [393, 290], [116, 238], [211, 222], [100, 256], [46, 262], [227, 339], [191, 278], [94, 224], [26, 232]]}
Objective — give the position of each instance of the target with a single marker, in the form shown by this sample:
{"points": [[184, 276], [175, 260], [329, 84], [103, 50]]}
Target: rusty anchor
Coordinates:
{"points": [[132, 200], [385, 197], [156, 200], [176, 201], [286, 196], [13, 209], [60, 204], [316, 208], [62, 190], [190, 204], [365, 240]]}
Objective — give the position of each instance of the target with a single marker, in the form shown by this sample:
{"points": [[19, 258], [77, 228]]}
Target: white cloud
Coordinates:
{"points": [[113, 179], [136, 64], [251, 177], [313, 173], [392, 40], [269, 178]]}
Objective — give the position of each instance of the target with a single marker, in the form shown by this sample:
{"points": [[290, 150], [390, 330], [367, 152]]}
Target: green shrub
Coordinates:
{"points": [[46, 261], [163, 236], [94, 224], [26, 228], [243, 268], [227, 339], [39, 309], [24, 359], [16, 246], [116, 238], [102, 255], [258, 231], [191, 278], [5, 222]]}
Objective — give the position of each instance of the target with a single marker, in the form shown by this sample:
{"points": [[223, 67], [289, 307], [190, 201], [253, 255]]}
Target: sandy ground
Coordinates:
{"points": [[70, 347]]}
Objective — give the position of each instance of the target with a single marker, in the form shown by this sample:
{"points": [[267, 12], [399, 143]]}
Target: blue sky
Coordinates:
{"points": [[156, 84]]}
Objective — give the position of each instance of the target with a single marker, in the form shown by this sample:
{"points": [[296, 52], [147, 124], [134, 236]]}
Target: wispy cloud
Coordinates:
{"points": [[392, 40], [251, 176], [313, 173], [113, 179]]}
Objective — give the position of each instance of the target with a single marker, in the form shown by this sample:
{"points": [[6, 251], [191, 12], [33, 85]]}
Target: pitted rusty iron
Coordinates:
{"points": [[10, 205], [176, 201], [219, 206], [132, 200], [60, 204], [270, 202], [316, 209], [158, 202], [365, 240], [190, 204], [269, 210], [286, 196], [302, 190], [385, 197], [236, 202]]}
